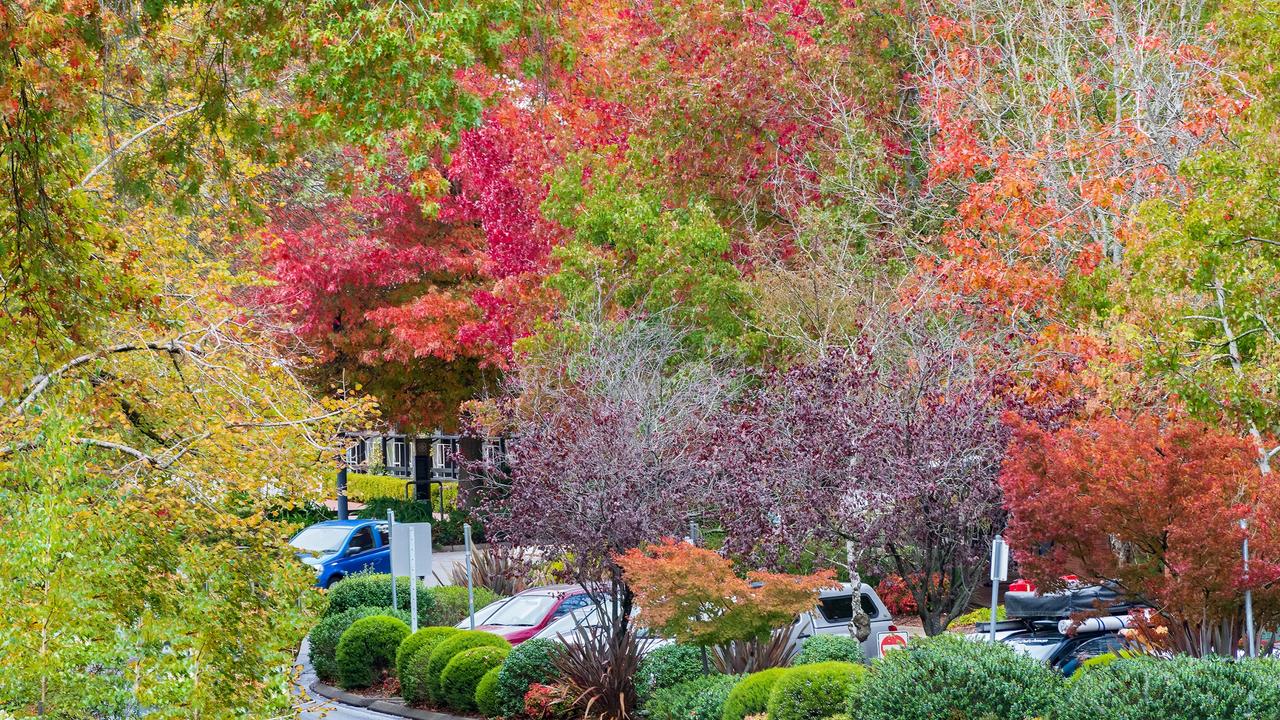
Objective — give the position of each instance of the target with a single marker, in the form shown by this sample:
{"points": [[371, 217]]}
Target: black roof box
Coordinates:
{"points": [[1063, 604]]}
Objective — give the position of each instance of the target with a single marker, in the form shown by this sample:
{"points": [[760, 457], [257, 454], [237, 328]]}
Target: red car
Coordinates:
{"points": [[521, 617]]}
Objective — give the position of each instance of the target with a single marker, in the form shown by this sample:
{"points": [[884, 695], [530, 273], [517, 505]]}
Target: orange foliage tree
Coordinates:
{"points": [[694, 595], [1155, 507]]}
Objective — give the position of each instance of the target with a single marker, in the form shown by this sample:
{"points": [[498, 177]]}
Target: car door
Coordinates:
{"points": [[359, 553]]}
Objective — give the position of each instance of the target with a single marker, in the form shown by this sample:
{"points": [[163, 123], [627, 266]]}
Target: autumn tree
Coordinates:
{"points": [[1153, 506], [694, 595], [605, 448], [894, 448]]}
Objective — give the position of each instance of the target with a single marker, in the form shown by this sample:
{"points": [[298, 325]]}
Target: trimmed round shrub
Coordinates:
{"points": [[423, 641], [325, 635], [1182, 687], [444, 651], [813, 692], [460, 677], [487, 701], [700, 699], [449, 603], [532, 661], [666, 667], [751, 695], [368, 649], [828, 648], [949, 676], [373, 589]]}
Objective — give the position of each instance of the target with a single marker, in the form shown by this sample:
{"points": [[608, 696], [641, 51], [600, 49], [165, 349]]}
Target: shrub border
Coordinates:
{"points": [[381, 705]]}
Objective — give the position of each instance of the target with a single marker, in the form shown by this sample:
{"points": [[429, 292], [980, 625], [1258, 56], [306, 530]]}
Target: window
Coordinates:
{"points": [[361, 540], [492, 451], [839, 608], [384, 533], [320, 539], [571, 603], [370, 450], [523, 611], [356, 454], [398, 450], [443, 450]]}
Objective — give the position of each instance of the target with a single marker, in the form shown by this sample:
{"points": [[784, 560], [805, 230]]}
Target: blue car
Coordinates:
{"points": [[338, 548]]}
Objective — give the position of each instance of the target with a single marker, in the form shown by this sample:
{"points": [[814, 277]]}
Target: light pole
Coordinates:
{"points": [[1248, 594]]}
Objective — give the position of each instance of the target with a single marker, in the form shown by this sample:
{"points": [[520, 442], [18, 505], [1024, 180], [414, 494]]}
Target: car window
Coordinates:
{"points": [[1036, 645], [361, 540], [571, 603], [384, 533], [320, 539], [523, 611], [839, 608]]}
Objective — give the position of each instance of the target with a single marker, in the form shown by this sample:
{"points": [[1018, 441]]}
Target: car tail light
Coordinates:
{"points": [[893, 628]]}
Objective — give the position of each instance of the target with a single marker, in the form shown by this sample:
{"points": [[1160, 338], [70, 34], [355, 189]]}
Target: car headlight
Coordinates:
{"points": [[319, 570]]}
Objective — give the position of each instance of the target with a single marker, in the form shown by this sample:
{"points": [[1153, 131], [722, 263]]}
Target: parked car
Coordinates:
{"points": [[483, 614], [338, 548], [526, 613], [564, 629], [835, 610], [1040, 626]]}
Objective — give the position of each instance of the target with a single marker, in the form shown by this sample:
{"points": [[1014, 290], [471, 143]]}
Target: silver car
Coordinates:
{"points": [[835, 611]]}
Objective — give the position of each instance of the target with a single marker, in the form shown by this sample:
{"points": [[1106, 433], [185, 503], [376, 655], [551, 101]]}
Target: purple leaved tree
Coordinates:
{"points": [[895, 449], [607, 441]]}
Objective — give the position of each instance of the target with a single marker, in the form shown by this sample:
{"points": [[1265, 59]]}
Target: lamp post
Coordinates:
{"points": [[1248, 594]]}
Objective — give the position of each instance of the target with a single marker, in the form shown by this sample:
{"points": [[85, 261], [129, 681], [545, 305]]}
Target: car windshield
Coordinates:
{"points": [[523, 611], [565, 624], [320, 539], [1039, 647]]}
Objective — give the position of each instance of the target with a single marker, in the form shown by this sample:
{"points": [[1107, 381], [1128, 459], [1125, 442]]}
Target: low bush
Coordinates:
{"points": [[421, 642], [450, 606], [487, 702], [407, 511], [374, 589], [449, 530], [461, 676], [828, 648], [813, 692], [1182, 688], [666, 667], [363, 487], [700, 699], [530, 662], [325, 635], [949, 676], [751, 695], [444, 651], [367, 650], [978, 615]]}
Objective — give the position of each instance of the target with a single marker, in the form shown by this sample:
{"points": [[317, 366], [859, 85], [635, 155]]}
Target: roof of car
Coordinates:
{"points": [[561, 589], [352, 522]]}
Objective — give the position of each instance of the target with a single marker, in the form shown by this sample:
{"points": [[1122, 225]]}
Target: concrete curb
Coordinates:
{"points": [[393, 706]]}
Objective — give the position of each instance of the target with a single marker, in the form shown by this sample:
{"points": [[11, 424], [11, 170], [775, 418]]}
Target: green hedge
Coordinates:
{"points": [[1182, 688], [325, 635], [532, 661], [700, 699], [368, 649], [666, 667], [364, 488], [828, 648], [449, 603], [446, 649], [949, 676], [751, 695], [813, 692], [421, 642], [487, 701], [374, 590], [461, 676]]}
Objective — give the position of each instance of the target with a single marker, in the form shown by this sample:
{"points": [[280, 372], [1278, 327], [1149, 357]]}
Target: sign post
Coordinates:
{"points": [[999, 573], [471, 591], [391, 528], [1248, 595], [413, 583]]}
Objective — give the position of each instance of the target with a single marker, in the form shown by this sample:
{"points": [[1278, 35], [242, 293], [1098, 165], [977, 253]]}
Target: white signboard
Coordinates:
{"points": [[999, 560], [400, 549]]}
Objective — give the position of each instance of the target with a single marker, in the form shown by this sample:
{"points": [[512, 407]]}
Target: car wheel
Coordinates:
{"points": [[333, 581]]}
